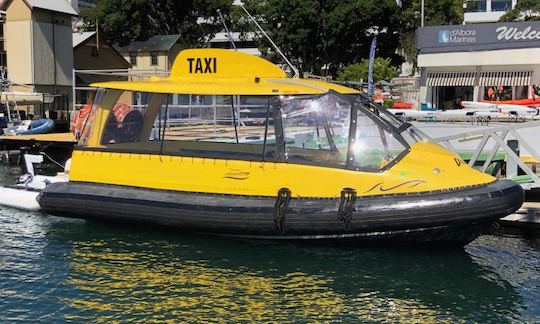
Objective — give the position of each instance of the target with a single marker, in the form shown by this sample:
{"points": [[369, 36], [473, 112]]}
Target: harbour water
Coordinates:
{"points": [[55, 269]]}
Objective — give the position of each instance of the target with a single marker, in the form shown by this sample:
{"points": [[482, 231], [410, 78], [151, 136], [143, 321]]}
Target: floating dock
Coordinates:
{"points": [[527, 217]]}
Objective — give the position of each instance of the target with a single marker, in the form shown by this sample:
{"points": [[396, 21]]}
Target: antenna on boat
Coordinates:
{"points": [[276, 48], [231, 39]]}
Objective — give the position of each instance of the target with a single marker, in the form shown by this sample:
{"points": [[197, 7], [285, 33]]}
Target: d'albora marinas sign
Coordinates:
{"points": [[455, 38]]}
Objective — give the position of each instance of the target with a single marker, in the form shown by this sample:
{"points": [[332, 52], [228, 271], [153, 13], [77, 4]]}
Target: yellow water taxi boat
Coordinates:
{"points": [[229, 145]]}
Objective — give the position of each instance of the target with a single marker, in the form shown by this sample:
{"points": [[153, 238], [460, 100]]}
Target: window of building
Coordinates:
{"points": [[499, 93], [154, 58], [476, 6], [501, 5], [133, 58], [3, 58]]}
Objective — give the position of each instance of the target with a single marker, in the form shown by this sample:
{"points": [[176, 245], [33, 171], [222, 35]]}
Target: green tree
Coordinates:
{"points": [[440, 12], [315, 33], [523, 11], [123, 21], [382, 70]]}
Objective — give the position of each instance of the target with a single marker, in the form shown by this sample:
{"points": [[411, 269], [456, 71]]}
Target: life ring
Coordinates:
{"points": [[77, 123], [120, 111]]}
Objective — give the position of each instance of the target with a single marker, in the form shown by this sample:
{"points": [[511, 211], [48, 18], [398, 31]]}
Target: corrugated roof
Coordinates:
{"points": [[78, 38], [153, 44], [53, 5]]}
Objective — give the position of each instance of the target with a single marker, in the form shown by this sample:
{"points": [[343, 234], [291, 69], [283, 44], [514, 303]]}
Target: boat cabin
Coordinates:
{"points": [[229, 105]]}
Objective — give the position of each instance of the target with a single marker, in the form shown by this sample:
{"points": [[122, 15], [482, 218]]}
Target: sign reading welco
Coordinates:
{"points": [[478, 37]]}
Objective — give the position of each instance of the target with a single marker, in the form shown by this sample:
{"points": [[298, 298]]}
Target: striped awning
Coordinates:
{"points": [[514, 78], [448, 79]]}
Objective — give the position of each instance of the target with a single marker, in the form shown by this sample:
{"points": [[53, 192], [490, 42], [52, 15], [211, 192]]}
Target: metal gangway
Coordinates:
{"points": [[498, 137]]}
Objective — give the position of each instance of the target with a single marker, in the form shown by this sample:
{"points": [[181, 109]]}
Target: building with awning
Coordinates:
{"points": [[495, 61]]}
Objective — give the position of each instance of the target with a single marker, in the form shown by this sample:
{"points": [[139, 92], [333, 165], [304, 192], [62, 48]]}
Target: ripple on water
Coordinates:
{"points": [[56, 269]]}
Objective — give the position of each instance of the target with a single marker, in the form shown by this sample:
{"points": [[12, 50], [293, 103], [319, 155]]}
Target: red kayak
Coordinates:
{"points": [[402, 105], [521, 102]]}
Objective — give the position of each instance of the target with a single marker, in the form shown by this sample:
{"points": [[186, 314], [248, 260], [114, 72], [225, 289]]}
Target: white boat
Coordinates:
{"points": [[445, 114], [23, 194], [517, 110], [477, 105], [507, 109], [411, 113]]}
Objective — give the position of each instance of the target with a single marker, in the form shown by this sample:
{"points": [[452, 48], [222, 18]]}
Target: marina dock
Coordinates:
{"points": [[526, 218], [59, 146]]}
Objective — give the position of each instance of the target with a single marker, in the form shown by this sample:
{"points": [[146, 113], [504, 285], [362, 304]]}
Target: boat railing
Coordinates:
{"points": [[501, 138], [83, 78]]}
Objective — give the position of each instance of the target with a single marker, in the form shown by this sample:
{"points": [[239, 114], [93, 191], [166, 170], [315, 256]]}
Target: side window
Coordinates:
{"points": [[87, 119], [153, 58], [374, 147], [235, 126], [125, 120], [316, 129]]}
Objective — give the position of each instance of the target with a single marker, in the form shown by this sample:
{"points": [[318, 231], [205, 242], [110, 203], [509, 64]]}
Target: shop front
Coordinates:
{"points": [[495, 62]]}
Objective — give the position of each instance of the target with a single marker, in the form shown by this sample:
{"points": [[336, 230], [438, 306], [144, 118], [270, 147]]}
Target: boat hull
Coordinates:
{"points": [[19, 198], [452, 216]]}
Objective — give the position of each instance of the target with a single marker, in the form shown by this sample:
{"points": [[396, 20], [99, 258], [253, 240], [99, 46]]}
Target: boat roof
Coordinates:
{"points": [[226, 72]]}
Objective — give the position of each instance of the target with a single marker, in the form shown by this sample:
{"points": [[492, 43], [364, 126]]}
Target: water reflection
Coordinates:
{"points": [[160, 276], [56, 269]]}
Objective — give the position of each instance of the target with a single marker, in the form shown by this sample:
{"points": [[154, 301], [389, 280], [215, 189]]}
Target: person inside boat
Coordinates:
{"points": [[130, 129], [111, 128]]}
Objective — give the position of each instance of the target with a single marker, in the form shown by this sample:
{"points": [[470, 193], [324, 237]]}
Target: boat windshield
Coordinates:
{"points": [[410, 133], [328, 130]]}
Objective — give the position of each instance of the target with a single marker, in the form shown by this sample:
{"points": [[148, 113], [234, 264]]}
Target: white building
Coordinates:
{"points": [[485, 11], [469, 62]]}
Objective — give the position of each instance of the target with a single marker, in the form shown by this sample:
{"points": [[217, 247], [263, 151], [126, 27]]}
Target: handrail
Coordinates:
{"points": [[514, 126], [498, 134]]}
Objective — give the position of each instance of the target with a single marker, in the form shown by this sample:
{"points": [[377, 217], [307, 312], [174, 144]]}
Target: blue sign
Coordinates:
{"points": [[478, 37]]}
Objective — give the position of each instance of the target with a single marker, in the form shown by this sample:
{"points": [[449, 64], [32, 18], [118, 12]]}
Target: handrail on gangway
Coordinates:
{"points": [[498, 134]]}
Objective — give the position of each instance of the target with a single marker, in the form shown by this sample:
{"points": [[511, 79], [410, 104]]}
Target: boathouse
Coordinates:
{"points": [[39, 48]]}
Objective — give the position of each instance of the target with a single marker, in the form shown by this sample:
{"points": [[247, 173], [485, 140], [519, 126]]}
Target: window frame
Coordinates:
{"points": [[133, 58], [154, 58], [274, 111], [387, 127], [357, 104]]}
